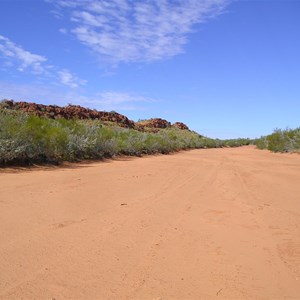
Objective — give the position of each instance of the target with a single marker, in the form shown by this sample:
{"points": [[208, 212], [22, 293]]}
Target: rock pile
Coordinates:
{"points": [[68, 112], [79, 112], [152, 124], [180, 125]]}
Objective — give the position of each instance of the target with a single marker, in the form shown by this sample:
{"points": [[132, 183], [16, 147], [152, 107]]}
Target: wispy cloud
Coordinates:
{"points": [[137, 31], [14, 56], [69, 79], [24, 59], [116, 98], [63, 30]]}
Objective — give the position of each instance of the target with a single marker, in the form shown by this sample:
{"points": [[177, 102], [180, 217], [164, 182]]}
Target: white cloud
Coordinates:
{"points": [[23, 58], [24, 61], [113, 98], [63, 30], [137, 31], [69, 79]]}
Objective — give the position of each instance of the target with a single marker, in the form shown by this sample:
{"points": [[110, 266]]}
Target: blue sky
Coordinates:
{"points": [[225, 68]]}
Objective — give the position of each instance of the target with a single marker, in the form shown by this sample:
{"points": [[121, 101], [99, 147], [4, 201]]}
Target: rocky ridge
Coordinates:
{"points": [[79, 112]]}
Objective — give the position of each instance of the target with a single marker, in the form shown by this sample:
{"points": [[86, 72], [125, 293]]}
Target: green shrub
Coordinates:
{"points": [[26, 139], [287, 140]]}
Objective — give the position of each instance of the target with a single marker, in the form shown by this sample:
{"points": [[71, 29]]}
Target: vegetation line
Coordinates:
{"points": [[287, 140], [28, 139], [51, 134]]}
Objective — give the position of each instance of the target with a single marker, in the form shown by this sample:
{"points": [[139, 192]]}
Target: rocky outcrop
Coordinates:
{"points": [[68, 112], [180, 125], [79, 112], [152, 124]]}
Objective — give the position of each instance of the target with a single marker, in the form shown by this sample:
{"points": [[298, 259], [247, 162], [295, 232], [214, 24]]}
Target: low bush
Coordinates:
{"points": [[27, 139], [287, 140]]}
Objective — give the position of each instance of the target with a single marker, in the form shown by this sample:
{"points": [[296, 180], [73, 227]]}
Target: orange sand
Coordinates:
{"points": [[203, 224]]}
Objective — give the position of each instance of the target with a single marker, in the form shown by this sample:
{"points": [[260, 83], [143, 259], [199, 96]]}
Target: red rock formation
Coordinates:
{"points": [[153, 124], [180, 126], [68, 112], [79, 112]]}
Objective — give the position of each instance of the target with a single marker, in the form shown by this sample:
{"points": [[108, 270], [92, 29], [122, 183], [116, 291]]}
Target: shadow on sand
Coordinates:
{"points": [[11, 169]]}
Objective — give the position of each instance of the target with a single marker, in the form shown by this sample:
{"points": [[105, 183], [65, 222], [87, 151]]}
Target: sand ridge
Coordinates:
{"points": [[201, 224]]}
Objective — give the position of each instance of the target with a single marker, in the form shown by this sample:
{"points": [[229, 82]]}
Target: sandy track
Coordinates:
{"points": [[203, 224]]}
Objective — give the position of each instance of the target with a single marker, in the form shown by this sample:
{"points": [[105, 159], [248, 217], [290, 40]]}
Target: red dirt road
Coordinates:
{"points": [[203, 224]]}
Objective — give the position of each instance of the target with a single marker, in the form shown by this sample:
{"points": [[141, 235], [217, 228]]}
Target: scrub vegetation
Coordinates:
{"points": [[27, 139], [287, 140]]}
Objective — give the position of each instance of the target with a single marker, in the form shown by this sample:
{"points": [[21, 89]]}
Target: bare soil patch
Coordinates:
{"points": [[202, 224]]}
